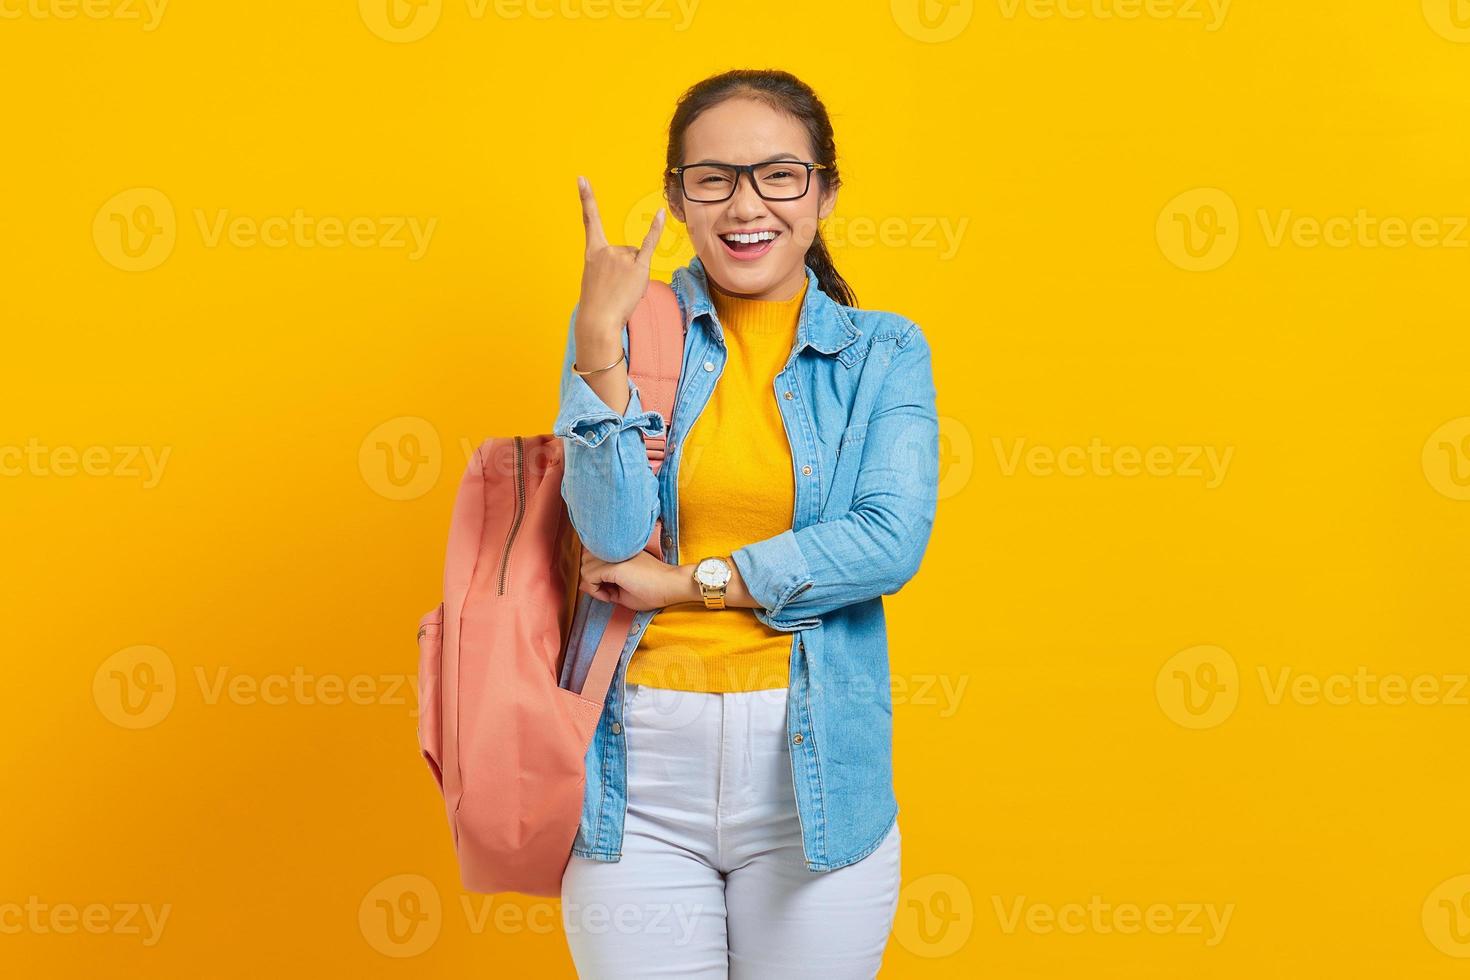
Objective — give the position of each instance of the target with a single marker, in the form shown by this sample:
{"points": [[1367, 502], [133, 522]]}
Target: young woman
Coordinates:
{"points": [[740, 818]]}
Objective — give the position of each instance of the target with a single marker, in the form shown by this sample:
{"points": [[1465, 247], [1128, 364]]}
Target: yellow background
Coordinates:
{"points": [[1071, 618]]}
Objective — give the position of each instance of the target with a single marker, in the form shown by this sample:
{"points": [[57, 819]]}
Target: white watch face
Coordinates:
{"points": [[713, 572]]}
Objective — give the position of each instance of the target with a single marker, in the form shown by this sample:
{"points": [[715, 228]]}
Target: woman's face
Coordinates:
{"points": [[747, 131]]}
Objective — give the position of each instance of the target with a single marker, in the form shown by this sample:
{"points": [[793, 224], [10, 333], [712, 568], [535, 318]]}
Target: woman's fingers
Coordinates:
{"points": [[650, 240], [591, 219], [605, 591]]}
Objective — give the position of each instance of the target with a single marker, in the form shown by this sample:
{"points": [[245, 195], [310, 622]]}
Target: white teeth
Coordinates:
{"points": [[760, 236]]}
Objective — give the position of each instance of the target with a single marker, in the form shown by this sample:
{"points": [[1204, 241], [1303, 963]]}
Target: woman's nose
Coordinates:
{"points": [[745, 202]]}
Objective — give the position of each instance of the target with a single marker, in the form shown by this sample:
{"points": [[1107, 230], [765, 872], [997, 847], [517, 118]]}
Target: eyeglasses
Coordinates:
{"points": [[782, 180]]}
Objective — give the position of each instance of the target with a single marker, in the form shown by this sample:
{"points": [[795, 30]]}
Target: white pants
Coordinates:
{"points": [[713, 882]]}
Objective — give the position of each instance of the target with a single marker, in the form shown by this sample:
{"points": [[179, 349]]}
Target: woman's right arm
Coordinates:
{"points": [[607, 482]]}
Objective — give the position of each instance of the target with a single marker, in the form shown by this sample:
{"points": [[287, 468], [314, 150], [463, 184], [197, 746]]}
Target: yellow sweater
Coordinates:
{"points": [[735, 487]]}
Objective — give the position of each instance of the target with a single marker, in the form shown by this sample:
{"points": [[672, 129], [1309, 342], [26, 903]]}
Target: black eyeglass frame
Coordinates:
{"points": [[749, 170]]}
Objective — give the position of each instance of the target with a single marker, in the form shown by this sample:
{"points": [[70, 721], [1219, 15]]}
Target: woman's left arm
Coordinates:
{"points": [[797, 576], [794, 578]]}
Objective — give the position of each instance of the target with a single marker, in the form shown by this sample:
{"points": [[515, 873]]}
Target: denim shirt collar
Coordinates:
{"points": [[823, 325]]}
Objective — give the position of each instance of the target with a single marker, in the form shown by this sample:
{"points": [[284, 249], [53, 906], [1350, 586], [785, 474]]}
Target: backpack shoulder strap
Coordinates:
{"points": [[656, 356]]}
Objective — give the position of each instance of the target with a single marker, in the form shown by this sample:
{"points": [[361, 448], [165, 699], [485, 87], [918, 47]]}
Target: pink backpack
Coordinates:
{"points": [[505, 742]]}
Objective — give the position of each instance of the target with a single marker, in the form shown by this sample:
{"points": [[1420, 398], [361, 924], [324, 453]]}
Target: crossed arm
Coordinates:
{"points": [[793, 578]]}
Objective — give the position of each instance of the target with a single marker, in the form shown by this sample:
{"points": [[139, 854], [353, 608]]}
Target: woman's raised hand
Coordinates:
{"points": [[614, 277]]}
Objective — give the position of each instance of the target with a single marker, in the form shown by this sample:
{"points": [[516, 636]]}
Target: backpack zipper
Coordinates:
{"points": [[515, 523]]}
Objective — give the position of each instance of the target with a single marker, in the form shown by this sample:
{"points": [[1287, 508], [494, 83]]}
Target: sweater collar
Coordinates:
{"points": [[824, 324]]}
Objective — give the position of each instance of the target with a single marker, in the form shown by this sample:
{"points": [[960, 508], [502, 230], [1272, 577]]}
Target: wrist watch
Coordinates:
{"points": [[712, 575]]}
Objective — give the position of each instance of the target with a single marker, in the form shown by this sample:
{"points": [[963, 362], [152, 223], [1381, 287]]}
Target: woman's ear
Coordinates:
{"points": [[829, 201], [676, 207]]}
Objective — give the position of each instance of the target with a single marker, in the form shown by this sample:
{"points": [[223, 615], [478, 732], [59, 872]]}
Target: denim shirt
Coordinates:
{"points": [[857, 400]]}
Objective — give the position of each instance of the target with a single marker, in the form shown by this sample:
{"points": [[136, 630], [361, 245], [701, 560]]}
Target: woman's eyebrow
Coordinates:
{"points": [[775, 159]]}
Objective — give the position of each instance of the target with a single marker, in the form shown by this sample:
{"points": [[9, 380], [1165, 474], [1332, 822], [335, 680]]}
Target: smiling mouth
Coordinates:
{"points": [[750, 249]]}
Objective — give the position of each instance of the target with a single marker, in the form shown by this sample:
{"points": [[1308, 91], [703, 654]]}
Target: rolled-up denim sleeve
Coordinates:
{"points": [[877, 546], [607, 483]]}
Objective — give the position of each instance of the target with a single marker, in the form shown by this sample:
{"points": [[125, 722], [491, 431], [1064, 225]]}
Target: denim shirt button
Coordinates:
{"points": [[709, 365], [796, 739], [788, 396], [806, 470], [617, 729]]}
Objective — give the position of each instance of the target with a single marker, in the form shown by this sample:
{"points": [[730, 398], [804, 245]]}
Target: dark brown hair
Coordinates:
{"points": [[785, 93]]}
